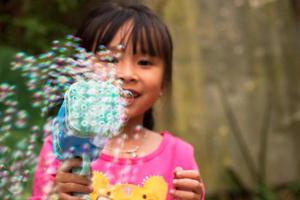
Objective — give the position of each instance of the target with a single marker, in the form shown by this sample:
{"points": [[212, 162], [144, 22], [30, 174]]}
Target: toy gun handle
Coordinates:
{"points": [[85, 169]]}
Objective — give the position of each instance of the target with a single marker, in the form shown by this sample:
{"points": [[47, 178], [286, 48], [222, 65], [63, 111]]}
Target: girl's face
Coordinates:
{"points": [[140, 73]]}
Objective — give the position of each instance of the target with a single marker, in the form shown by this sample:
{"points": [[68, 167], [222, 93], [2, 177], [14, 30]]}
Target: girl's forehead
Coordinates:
{"points": [[123, 35]]}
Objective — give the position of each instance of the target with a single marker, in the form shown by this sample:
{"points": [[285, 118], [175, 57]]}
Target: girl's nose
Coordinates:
{"points": [[126, 72]]}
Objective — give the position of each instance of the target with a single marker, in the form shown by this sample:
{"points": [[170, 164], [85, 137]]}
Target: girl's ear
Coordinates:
{"points": [[162, 88], [161, 93]]}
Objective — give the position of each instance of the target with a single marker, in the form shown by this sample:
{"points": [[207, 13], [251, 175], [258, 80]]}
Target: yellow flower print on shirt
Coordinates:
{"points": [[154, 188]]}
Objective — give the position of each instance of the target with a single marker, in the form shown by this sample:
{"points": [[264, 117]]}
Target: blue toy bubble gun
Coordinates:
{"points": [[90, 114], [66, 145]]}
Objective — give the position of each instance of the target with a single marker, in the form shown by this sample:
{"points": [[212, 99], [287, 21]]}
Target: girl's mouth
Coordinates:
{"points": [[136, 95], [130, 96]]}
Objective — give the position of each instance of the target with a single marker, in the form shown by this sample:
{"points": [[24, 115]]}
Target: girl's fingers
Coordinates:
{"points": [[191, 174], [64, 196], [188, 185], [72, 187], [181, 194], [67, 182], [69, 164], [177, 169], [64, 177]]}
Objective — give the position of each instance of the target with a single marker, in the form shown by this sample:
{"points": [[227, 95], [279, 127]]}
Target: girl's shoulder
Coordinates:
{"points": [[175, 141], [179, 150], [165, 142]]}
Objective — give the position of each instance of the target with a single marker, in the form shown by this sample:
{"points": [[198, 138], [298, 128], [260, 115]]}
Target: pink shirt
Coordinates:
{"points": [[146, 174]]}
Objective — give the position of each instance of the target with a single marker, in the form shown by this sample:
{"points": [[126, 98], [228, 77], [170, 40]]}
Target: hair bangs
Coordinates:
{"points": [[144, 37], [107, 32]]}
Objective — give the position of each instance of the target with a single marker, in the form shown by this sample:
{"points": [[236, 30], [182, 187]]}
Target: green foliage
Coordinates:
{"points": [[67, 6], [31, 26], [6, 55], [263, 192]]}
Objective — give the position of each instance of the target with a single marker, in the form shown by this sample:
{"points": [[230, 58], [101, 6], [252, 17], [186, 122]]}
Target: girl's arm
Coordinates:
{"points": [[45, 171]]}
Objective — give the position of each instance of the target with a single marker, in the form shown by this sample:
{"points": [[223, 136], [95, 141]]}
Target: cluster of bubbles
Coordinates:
{"points": [[84, 98], [90, 79], [85, 80], [9, 112], [16, 162], [50, 74]]}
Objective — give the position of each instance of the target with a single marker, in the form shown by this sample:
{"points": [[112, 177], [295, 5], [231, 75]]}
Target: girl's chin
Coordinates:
{"points": [[134, 115], [130, 101]]}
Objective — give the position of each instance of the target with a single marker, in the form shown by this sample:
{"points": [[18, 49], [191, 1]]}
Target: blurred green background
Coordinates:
{"points": [[236, 89]]}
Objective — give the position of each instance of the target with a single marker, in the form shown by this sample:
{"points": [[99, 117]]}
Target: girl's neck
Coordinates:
{"points": [[131, 125], [129, 143]]}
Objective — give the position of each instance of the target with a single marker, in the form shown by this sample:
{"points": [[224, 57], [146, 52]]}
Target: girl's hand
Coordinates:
{"points": [[188, 185], [67, 183]]}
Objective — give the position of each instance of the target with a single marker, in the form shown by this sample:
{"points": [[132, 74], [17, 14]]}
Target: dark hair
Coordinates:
{"points": [[103, 22]]}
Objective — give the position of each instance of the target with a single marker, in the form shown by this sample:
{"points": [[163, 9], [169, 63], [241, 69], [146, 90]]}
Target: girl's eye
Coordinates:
{"points": [[145, 62]]}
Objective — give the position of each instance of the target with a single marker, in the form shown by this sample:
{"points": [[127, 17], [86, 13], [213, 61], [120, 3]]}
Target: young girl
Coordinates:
{"points": [[149, 165]]}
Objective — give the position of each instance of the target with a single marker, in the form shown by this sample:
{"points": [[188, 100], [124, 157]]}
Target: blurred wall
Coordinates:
{"points": [[236, 91]]}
